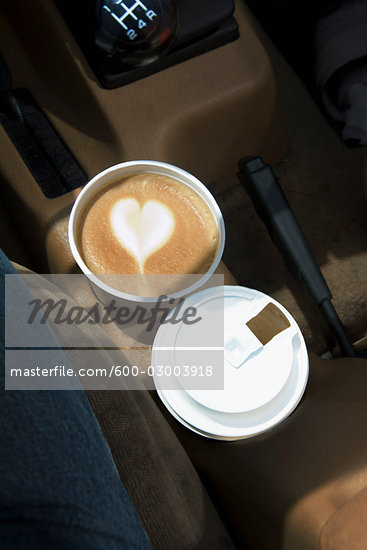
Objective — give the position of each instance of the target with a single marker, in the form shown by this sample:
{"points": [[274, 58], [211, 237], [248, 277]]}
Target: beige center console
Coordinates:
{"points": [[202, 115]]}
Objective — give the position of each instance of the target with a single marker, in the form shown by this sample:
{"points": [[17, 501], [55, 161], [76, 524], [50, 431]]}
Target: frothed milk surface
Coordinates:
{"points": [[147, 223]]}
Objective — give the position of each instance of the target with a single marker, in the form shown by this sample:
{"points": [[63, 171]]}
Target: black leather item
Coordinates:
{"points": [[341, 68]]}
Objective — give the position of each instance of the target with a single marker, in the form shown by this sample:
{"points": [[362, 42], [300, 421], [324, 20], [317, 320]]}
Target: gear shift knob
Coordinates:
{"points": [[135, 32]]}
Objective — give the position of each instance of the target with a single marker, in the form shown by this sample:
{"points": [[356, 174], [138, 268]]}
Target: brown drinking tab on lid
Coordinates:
{"points": [[268, 323]]}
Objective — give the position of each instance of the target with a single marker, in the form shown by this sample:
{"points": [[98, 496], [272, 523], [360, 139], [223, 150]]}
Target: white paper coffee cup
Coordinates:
{"points": [[125, 169]]}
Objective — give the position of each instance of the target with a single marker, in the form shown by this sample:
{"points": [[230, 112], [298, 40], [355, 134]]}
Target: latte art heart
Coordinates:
{"points": [[147, 223], [142, 231]]}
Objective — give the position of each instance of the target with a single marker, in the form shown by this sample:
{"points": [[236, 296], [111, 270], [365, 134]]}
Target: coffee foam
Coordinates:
{"points": [[142, 231], [147, 223]]}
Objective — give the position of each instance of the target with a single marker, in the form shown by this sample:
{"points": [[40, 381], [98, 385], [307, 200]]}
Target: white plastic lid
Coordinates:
{"points": [[261, 383]]}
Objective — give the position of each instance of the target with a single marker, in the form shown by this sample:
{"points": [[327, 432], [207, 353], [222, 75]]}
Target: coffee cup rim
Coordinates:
{"points": [[131, 167]]}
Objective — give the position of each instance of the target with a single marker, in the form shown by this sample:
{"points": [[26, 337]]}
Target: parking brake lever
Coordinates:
{"points": [[273, 208]]}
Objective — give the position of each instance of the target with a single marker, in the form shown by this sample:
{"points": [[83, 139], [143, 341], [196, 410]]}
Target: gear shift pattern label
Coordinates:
{"points": [[134, 18]]}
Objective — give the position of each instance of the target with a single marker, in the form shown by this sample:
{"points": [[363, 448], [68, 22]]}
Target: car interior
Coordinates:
{"points": [[228, 91]]}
